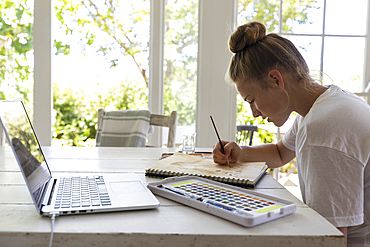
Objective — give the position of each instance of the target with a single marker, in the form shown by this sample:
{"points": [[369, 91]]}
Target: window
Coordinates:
{"points": [[330, 34], [180, 62], [308, 32], [100, 60], [16, 51], [336, 35], [104, 47]]}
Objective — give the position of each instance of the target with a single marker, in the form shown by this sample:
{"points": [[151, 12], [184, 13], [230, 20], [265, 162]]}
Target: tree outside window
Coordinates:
{"points": [[16, 50]]}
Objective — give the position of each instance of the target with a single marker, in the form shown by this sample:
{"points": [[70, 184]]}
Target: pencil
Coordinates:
{"points": [[219, 139]]}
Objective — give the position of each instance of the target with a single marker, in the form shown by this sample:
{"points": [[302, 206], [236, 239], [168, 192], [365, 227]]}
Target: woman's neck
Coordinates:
{"points": [[305, 96]]}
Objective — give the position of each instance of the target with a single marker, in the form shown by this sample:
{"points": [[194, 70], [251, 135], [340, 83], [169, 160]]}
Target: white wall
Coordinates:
{"points": [[217, 19]]}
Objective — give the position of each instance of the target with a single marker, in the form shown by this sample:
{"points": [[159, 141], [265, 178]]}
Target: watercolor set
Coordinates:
{"points": [[246, 207]]}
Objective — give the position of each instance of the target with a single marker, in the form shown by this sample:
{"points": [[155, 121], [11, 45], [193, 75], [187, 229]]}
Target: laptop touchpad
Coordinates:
{"points": [[127, 187]]}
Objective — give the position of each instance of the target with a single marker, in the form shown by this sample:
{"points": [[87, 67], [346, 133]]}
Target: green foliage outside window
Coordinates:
{"points": [[16, 42], [180, 59], [76, 117], [94, 21], [74, 120], [244, 117]]}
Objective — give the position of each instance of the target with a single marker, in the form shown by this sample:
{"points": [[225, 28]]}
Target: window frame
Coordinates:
{"points": [[366, 69]]}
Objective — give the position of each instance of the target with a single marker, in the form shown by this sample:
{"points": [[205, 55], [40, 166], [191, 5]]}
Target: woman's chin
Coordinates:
{"points": [[277, 124]]}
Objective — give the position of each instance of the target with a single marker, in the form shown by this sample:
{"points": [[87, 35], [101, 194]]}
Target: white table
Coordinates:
{"points": [[172, 224]]}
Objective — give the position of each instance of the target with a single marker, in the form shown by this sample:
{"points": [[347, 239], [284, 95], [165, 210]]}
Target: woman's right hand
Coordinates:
{"points": [[231, 155]]}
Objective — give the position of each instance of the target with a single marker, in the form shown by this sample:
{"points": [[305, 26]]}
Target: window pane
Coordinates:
{"points": [[101, 60], [180, 65], [346, 17], [261, 10], [343, 62], [16, 51], [310, 48], [304, 17]]}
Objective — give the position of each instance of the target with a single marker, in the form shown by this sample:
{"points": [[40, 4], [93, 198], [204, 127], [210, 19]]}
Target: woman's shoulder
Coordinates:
{"points": [[340, 121], [336, 106]]}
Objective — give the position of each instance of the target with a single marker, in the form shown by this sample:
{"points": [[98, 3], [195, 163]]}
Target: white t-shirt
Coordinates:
{"points": [[332, 146]]}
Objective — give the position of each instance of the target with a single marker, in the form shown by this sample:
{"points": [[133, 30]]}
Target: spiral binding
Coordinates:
{"points": [[164, 174]]}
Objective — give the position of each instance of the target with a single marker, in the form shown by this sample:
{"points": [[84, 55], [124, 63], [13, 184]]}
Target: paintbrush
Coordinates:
{"points": [[219, 139]]}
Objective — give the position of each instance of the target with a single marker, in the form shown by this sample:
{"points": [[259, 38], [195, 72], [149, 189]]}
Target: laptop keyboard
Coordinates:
{"points": [[82, 192]]}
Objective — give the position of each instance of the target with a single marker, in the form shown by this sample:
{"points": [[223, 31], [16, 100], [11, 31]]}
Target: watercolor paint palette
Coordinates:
{"points": [[245, 207]]}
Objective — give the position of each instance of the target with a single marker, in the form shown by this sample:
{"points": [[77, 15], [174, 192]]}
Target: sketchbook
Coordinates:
{"points": [[240, 174]]}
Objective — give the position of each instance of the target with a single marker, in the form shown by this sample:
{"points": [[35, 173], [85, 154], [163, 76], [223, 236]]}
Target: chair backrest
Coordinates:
{"points": [[2, 135], [244, 133], [155, 120], [166, 121], [100, 116]]}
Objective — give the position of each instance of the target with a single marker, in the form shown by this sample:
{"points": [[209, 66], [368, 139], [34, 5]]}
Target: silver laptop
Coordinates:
{"points": [[67, 193]]}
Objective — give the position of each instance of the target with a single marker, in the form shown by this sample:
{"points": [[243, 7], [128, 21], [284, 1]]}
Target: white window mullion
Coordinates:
{"points": [[323, 42], [156, 56], [280, 16], [43, 88]]}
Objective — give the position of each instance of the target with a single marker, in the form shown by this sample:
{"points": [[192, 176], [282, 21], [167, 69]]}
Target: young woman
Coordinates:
{"points": [[330, 137]]}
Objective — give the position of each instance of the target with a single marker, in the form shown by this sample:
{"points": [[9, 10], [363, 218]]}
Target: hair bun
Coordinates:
{"points": [[246, 35]]}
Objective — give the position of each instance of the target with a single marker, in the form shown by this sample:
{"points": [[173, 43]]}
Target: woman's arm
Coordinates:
{"points": [[275, 155]]}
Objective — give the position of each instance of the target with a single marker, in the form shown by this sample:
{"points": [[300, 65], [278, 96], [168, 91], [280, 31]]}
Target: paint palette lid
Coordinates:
{"points": [[245, 207]]}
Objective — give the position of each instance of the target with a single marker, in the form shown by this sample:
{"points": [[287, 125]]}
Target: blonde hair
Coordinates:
{"points": [[256, 53]]}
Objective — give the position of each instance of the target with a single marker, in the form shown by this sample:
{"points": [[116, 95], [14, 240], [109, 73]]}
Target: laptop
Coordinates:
{"points": [[67, 193]]}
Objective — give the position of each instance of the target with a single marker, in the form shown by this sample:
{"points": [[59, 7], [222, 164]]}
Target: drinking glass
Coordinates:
{"points": [[188, 143]]}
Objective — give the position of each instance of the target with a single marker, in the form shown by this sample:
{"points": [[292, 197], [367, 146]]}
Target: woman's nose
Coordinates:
{"points": [[256, 113]]}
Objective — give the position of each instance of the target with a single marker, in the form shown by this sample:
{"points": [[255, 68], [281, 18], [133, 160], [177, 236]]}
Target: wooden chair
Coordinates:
{"points": [[166, 121], [244, 133], [157, 120], [2, 136]]}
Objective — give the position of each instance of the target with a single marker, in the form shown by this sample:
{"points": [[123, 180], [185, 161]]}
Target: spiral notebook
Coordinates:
{"points": [[178, 164]]}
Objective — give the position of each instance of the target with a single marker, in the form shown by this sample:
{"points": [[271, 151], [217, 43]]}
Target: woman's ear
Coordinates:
{"points": [[276, 78]]}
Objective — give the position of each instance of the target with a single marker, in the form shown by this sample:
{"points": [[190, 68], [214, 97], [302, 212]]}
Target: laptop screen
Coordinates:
{"points": [[21, 137]]}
